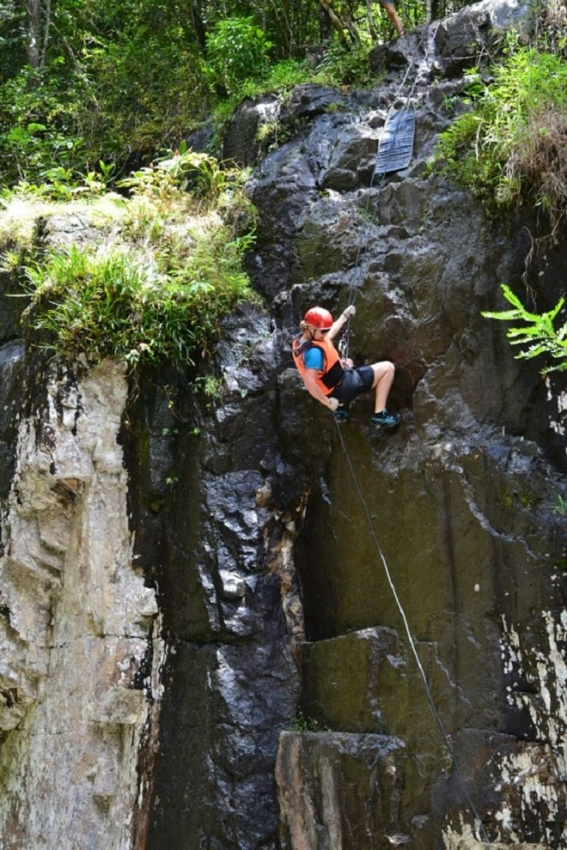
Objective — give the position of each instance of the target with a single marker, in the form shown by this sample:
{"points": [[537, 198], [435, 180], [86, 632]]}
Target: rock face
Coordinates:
{"points": [[229, 621], [338, 789], [76, 621], [439, 538], [221, 554]]}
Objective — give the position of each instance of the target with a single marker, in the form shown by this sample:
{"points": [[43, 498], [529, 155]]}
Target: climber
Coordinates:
{"points": [[388, 7], [335, 382]]}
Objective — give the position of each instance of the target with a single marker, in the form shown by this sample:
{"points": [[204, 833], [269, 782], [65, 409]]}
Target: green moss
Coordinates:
{"points": [[507, 499], [303, 723]]}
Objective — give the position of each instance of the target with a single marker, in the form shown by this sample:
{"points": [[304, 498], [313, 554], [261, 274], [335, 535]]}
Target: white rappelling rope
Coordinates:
{"points": [[446, 736], [344, 352]]}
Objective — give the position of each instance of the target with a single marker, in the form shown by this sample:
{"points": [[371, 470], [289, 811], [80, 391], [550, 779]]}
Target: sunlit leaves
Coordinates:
{"points": [[100, 304], [159, 284], [237, 49], [512, 146], [538, 334]]}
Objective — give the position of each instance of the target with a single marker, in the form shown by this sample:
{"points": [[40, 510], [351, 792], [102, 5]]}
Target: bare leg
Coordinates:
{"points": [[383, 377], [394, 17]]}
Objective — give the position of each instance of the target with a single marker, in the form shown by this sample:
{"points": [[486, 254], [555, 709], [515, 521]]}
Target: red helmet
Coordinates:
{"points": [[318, 317]]}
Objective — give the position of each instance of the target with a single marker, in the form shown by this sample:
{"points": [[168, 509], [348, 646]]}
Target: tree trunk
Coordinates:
{"points": [[39, 20], [340, 24], [34, 32], [371, 27]]}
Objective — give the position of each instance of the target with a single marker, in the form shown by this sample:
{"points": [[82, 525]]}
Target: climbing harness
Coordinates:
{"points": [[401, 123]]}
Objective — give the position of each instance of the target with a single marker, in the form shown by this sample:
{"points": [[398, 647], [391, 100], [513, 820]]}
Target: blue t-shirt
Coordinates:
{"points": [[313, 358]]}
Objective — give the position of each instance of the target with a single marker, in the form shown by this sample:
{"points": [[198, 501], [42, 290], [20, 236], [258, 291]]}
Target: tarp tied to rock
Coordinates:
{"points": [[396, 142]]}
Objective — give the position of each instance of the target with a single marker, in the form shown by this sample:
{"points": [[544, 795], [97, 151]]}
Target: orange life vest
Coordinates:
{"points": [[331, 375]]}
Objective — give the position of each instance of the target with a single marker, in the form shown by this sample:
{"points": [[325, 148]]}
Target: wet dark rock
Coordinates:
{"points": [[462, 37], [286, 118], [216, 546], [449, 46], [346, 678], [461, 498], [307, 101], [202, 140], [11, 373], [13, 304], [242, 142], [283, 187]]}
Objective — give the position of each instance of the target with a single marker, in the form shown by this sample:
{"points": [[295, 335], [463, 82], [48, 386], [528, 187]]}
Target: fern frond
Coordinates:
{"points": [[539, 332]]}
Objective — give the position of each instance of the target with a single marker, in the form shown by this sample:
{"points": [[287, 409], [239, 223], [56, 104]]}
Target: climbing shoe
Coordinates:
{"points": [[385, 419], [342, 414]]}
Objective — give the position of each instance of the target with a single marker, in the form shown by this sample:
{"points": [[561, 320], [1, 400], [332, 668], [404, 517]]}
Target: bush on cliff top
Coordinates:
{"points": [[167, 273], [511, 148]]}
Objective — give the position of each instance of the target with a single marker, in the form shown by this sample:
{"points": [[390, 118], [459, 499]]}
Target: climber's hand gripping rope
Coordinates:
{"points": [[343, 342]]}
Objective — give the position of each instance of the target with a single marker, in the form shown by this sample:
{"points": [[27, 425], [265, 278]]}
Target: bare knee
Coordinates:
{"points": [[384, 369]]}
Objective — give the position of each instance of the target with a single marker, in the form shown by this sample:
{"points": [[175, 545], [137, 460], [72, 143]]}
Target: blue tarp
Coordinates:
{"points": [[395, 147]]}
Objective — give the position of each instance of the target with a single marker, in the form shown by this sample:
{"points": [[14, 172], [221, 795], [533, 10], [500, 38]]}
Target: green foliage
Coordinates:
{"points": [[162, 286], [117, 82], [342, 66], [278, 78], [37, 130], [211, 387], [510, 147], [117, 78], [538, 332], [285, 75], [303, 723], [183, 171], [237, 49], [167, 196], [101, 305], [146, 84]]}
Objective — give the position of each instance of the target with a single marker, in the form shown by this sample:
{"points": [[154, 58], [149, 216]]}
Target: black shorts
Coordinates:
{"points": [[355, 382]]}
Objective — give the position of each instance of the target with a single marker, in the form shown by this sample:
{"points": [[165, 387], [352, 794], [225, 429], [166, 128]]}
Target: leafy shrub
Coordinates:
{"points": [[278, 78], [101, 305], [171, 270], [512, 145], [237, 49], [184, 171], [148, 90], [37, 128], [550, 24], [343, 66]]}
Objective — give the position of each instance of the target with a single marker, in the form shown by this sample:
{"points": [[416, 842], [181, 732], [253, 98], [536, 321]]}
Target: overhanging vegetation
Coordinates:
{"points": [[166, 272], [510, 147]]}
